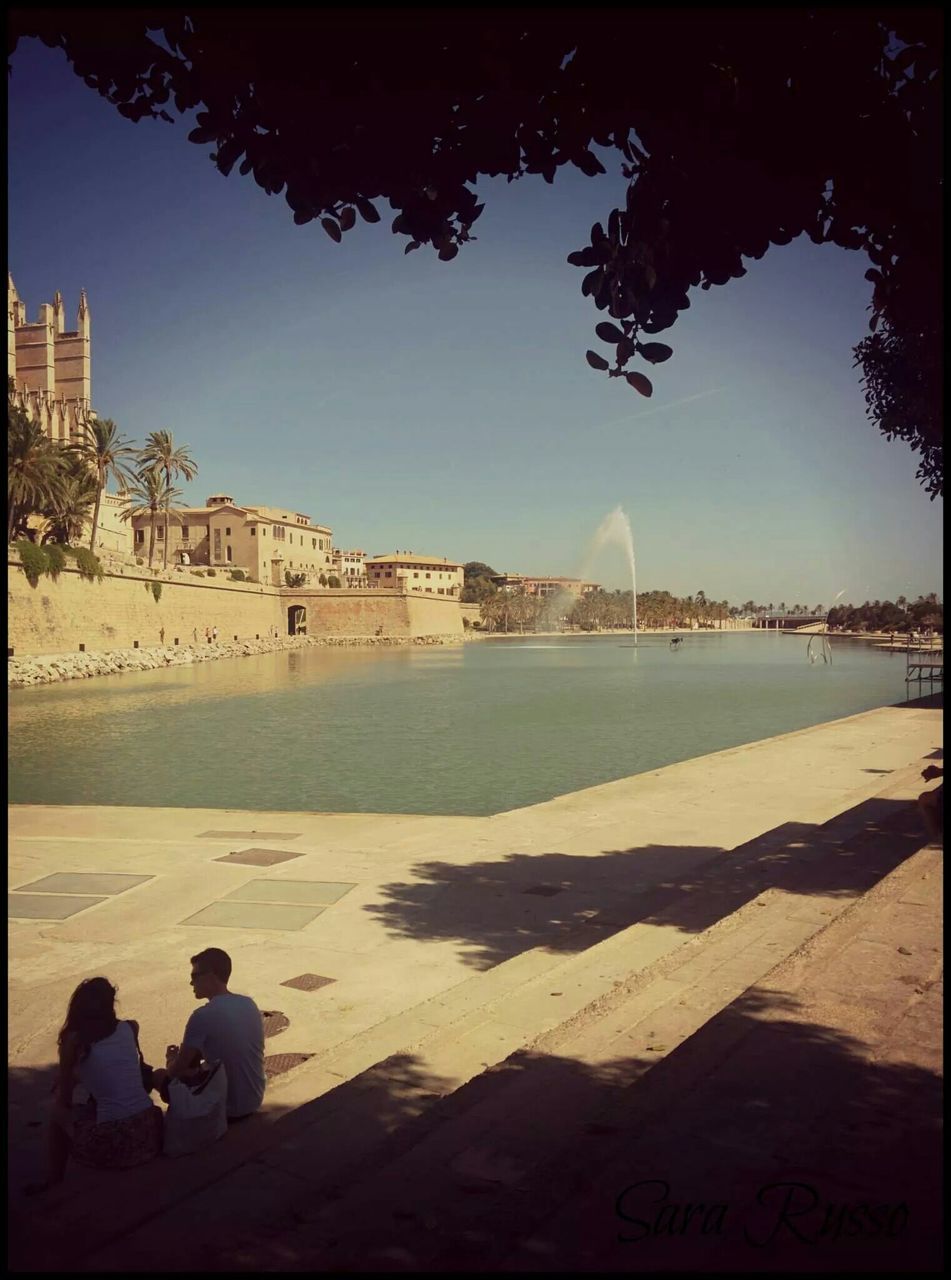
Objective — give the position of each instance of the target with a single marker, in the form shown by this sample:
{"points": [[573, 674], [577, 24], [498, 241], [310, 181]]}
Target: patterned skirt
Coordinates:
{"points": [[116, 1144]]}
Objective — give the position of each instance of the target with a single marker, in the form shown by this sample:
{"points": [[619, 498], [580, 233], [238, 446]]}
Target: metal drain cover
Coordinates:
{"points": [[259, 857], [308, 982], [277, 1064], [274, 1022]]}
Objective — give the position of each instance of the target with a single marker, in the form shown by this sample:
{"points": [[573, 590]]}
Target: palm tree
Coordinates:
{"points": [[160, 453], [34, 470], [68, 510], [148, 496], [107, 453]]}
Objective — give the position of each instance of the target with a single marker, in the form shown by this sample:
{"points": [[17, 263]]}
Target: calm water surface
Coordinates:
{"points": [[470, 730]]}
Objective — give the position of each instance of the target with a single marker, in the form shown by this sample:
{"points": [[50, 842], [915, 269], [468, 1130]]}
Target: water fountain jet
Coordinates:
{"points": [[616, 528]]}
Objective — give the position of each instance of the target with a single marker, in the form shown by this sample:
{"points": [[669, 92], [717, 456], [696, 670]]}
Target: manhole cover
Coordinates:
{"points": [[544, 890], [259, 857], [274, 1022], [308, 982], [278, 1063]]}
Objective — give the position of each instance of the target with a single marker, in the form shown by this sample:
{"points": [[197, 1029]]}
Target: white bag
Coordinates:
{"points": [[196, 1116]]}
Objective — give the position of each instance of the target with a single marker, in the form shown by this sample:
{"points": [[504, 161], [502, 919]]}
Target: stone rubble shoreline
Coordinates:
{"points": [[51, 668]]}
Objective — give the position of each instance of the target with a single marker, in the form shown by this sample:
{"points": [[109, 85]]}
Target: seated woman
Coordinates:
{"points": [[119, 1126]]}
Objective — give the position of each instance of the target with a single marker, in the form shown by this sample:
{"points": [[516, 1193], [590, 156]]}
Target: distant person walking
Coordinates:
{"points": [[208, 635], [228, 1029], [119, 1126], [214, 634]]}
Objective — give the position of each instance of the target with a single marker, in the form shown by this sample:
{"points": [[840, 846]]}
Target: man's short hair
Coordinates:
{"points": [[214, 960]]}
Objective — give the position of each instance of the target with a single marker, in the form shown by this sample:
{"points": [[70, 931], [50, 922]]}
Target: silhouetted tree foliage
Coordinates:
{"points": [[736, 129]]}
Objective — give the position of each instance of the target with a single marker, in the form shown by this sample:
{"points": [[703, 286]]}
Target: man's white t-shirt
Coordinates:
{"points": [[230, 1028]]}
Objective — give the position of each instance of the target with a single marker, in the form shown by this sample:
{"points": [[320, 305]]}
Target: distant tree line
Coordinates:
{"points": [[886, 615], [517, 610]]}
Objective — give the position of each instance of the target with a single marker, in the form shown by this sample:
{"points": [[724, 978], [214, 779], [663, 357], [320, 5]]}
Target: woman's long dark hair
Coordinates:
{"points": [[91, 1015]]}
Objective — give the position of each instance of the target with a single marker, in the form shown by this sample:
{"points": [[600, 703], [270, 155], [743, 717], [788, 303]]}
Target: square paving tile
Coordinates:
{"points": [[319, 891], [255, 915], [308, 982], [259, 857], [46, 906], [247, 835], [84, 882]]}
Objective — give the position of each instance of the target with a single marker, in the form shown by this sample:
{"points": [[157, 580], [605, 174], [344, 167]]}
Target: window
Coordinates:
{"points": [[429, 575], [160, 533], [314, 543], [184, 532], [253, 531], [228, 553], [227, 533], [415, 575], [389, 573], [140, 535]]}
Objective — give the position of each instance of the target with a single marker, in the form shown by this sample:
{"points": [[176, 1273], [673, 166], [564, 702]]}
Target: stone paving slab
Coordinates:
{"points": [[84, 882], [47, 906], [254, 915], [323, 893]]}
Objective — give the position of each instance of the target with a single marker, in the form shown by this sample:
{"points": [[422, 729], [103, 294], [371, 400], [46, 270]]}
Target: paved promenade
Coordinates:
{"points": [[447, 945]]}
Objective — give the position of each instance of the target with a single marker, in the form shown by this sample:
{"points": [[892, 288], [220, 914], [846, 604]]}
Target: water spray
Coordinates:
{"points": [[615, 527]]}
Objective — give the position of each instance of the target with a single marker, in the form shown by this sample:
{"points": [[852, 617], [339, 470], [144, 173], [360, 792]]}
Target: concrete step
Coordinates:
{"points": [[379, 1114], [492, 1187]]}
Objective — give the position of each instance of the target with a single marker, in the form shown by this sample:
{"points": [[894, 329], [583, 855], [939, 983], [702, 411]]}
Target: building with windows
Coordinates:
{"points": [[406, 571], [544, 586], [350, 567], [266, 542]]}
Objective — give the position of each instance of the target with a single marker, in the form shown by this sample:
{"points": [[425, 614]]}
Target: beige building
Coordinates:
{"points": [[350, 567], [266, 542], [405, 571]]}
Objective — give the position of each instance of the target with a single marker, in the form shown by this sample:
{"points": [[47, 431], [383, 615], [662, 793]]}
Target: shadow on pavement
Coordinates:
{"points": [[566, 903]]}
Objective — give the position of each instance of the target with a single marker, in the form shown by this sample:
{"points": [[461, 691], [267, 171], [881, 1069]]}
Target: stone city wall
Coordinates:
{"points": [[57, 616], [364, 612]]}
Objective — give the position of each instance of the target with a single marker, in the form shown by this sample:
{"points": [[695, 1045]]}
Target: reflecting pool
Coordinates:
{"points": [[486, 726]]}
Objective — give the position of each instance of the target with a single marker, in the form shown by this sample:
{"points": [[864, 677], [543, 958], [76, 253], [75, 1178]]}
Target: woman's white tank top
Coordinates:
{"points": [[110, 1071]]}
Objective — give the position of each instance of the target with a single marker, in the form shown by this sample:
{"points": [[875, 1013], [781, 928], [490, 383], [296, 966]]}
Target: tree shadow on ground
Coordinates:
{"points": [[496, 909], [523, 1168]]}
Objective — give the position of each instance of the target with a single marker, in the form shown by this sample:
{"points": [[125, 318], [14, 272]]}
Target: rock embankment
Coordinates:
{"points": [[53, 667]]}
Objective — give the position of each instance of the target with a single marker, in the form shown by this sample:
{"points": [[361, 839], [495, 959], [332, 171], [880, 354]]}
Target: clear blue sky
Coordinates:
{"points": [[447, 407]]}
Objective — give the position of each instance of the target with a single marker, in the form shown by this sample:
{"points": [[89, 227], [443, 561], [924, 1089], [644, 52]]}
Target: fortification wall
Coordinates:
{"points": [[57, 616], [364, 613]]}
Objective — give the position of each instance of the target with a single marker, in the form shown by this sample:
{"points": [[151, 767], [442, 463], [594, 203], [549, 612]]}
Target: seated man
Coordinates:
{"points": [[228, 1028]]}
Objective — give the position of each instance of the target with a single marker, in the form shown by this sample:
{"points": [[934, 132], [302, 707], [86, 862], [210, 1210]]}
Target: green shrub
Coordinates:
{"points": [[156, 590], [333, 581], [466, 623], [295, 579], [322, 579], [33, 559], [139, 560], [55, 559], [210, 573], [197, 573], [237, 575], [87, 563]]}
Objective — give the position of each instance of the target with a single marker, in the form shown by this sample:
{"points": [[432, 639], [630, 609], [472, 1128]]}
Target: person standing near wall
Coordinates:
{"points": [[214, 634]]}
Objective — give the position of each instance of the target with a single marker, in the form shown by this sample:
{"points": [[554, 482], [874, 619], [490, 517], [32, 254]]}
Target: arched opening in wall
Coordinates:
{"points": [[296, 620]]}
